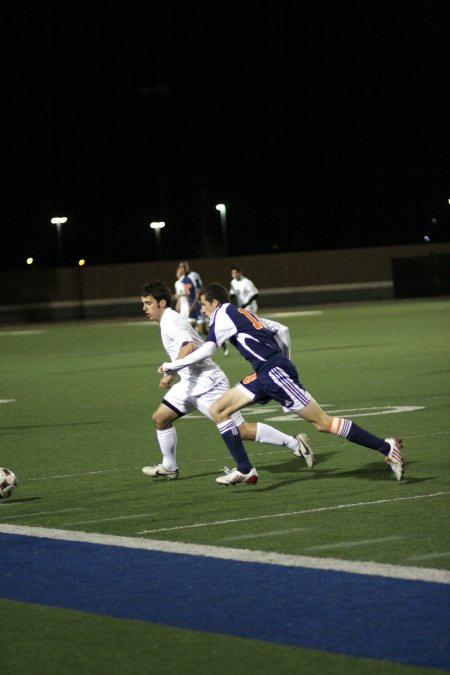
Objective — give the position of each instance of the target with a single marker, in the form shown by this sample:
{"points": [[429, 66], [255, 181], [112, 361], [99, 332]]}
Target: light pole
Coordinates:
{"points": [[58, 222], [157, 226], [223, 222]]}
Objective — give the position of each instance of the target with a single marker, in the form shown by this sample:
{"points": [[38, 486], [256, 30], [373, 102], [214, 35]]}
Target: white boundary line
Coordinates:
{"points": [[292, 513], [241, 555]]}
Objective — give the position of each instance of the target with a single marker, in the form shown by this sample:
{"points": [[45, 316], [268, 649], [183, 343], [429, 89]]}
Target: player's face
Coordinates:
{"points": [[235, 274], [152, 308], [207, 307]]}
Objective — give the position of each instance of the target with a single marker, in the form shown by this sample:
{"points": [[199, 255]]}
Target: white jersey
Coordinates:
{"points": [[180, 292], [243, 289], [175, 331]]}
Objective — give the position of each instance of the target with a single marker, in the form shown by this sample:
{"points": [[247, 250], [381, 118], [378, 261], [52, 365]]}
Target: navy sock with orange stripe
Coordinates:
{"points": [[356, 434]]}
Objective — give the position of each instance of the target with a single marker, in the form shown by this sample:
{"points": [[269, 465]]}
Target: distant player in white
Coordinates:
{"points": [[181, 299], [244, 290], [199, 386]]}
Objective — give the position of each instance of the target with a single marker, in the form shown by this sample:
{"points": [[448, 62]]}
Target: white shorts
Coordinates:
{"points": [[181, 401]]}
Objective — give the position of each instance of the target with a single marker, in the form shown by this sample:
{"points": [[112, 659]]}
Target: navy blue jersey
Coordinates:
{"points": [[190, 291], [246, 331]]}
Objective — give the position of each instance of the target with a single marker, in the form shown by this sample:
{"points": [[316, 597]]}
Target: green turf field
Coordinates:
{"points": [[75, 424]]}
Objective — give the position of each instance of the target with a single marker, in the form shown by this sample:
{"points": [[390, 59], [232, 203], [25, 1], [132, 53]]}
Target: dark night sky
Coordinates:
{"points": [[317, 127]]}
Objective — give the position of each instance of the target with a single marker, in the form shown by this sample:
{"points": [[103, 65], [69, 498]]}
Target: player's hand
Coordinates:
{"points": [[166, 381], [164, 368]]}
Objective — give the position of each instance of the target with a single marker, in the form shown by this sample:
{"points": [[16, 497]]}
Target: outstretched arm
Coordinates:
{"points": [[281, 335], [207, 349]]}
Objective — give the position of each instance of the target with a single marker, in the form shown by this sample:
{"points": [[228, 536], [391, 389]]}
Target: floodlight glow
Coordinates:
{"points": [[157, 226], [81, 262], [30, 261], [221, 207], [59, 221]]}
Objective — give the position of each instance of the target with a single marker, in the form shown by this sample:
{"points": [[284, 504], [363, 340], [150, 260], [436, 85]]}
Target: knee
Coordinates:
{"points": [[160, 421], [217, 413]]}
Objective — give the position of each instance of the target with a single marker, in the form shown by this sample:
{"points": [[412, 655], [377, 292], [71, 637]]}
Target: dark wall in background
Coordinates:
{"points": [[311, 268]]}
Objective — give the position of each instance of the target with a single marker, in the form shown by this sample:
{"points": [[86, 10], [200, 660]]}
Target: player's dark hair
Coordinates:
{"points": [[217, 292], [158, 290], [235, 267]]}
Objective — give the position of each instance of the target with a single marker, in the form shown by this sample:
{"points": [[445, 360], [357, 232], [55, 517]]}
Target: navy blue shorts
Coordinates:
{"points": [[276, 380]]}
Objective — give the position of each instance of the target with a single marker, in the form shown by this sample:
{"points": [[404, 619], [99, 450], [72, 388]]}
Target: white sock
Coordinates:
{"points": [[268, 434], [167, 440]]}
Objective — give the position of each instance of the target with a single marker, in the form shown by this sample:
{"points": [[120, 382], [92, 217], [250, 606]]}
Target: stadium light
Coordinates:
{"points": [[223, 222], [158, 226], [58, 221]]}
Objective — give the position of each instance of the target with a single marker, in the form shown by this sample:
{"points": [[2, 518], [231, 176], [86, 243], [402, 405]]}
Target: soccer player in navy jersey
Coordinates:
{"points": [[266, 345], [196, 317]]}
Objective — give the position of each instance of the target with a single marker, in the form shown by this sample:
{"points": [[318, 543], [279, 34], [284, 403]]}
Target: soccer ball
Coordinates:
{"points": [[8, 483]]}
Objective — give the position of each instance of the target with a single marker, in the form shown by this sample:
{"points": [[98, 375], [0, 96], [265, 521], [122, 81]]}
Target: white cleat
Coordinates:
{"points": [[159, 471], [394, 458], [233, 476], [304, 450]]}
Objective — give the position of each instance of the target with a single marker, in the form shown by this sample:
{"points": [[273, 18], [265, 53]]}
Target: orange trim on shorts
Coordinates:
{"points": [[249, 379]]}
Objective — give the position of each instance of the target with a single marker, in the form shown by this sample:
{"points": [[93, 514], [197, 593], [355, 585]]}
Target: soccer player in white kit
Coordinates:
{"points": [[244, 290], [199, 386]]}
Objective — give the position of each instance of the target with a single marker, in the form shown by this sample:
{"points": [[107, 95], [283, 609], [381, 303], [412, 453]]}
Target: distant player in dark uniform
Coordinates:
{"points": [[266, 345], [196, 317]]}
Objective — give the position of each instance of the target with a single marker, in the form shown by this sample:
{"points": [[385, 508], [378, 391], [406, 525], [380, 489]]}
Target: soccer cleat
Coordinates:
{"points": [[159, 471], [225, 349], [304, 450], [394, 458], [233, 476]]}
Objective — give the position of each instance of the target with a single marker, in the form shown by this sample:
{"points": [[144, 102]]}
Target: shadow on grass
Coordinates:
{"points": [[297, 464], [13, 500], [51, 426], [378, 471]]}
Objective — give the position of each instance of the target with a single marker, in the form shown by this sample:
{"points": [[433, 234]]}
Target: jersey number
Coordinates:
{"points": [[251, 317]]}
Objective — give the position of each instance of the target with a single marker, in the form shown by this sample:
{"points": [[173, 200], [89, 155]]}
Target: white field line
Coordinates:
{"points": [[291, 513], [137, 516], [131, 516], [430, 556], [272, 533], [350, 544], [242, 555]]}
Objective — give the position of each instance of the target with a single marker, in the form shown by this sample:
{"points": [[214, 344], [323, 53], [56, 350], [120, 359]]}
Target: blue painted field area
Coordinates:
{"points": [[367, 616]]}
